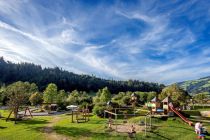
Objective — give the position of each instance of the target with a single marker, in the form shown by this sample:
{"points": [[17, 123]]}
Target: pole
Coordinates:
{"points": [[104, 114], [145, 125], [72, 116], [150, 122]]}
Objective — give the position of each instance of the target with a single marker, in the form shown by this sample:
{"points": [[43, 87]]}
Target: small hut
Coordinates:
{"points": [[154, 104], [166, 102]]}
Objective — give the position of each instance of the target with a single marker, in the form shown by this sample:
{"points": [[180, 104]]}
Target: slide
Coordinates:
{"points": [[180, 115]]}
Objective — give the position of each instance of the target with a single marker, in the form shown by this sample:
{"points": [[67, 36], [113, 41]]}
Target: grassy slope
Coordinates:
{"points": [[196, 86]]}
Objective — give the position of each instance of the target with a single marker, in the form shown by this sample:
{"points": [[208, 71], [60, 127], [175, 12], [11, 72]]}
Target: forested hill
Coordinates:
{"points": [[10, 72], [196, 86]]}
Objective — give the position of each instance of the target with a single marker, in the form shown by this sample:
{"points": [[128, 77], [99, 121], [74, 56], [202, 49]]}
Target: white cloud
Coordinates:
{"points": [[95, 41]]}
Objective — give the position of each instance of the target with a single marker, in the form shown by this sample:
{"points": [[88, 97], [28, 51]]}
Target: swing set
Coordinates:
{"points": [[19, 116]]}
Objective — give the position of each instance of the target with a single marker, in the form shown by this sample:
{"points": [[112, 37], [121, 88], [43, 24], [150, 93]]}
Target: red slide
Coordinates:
{"points": [[180, 115]]}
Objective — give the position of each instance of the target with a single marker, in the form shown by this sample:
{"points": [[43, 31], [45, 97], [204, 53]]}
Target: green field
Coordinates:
{"points": [[95, 129]]}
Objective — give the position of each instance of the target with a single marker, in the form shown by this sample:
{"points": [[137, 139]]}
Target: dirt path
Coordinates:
{"points": [[50, 133]]}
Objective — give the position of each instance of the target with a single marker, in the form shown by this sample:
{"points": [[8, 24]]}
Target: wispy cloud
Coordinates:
{"points": [[150, 41]]}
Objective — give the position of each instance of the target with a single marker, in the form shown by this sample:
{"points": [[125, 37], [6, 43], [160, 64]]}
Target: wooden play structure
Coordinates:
{"points": [[147, 123], [82, 115], [114, 113], [119, 121], [160, 107], [165, 108], [50, 107], [19, 116], [154, 105]]}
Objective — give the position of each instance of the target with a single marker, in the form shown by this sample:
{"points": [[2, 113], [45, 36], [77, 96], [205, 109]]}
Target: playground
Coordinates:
{"points": [[161, 121], [42, 127]]}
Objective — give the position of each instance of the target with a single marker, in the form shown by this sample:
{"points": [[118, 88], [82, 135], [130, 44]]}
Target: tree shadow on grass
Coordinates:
{"points": [[97, 122], [80, 132], [33, 121], [2, 127], [157, 134], [181, 128]]}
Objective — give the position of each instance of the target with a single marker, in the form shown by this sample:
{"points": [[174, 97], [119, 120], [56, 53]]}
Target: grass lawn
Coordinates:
{"points": [[23, 130], [93, 130]]}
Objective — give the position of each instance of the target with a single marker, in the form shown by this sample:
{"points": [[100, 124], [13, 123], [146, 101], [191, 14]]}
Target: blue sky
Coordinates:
{"points": [[158, 41]]}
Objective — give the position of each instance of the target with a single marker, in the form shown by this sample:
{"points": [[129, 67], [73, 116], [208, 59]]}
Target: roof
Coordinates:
{"points": [[167, 99], [71, 106], [155, 99]]}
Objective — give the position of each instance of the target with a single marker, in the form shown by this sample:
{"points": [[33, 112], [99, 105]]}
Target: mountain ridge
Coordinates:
{"points": [[196, 86], [11, 72]]}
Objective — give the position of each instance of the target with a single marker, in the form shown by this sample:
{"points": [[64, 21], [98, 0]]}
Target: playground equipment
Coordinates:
{"points": [[82, 115], [180, 115], [166, 110], [17, 115], [147, 126], [154, 105], [117, 115], [121, 125]]}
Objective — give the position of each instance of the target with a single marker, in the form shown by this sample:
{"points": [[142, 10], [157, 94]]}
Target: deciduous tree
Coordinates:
{"points": [[50, 93]]}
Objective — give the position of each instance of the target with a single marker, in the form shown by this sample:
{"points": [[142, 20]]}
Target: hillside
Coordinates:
{"points": [[196, 86], [11, 72]]}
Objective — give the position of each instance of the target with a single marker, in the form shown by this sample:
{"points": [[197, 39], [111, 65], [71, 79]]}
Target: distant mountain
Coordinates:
{"points": [[11, 72], [196, 86]]}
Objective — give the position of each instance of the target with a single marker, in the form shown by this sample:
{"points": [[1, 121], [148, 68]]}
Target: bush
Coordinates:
{"points": [[99, 110], [142, 112], [188, 113], [45, 107]]}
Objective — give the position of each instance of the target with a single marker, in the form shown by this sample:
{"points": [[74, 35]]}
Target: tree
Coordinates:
{"points": [[118, 98], [99, 110], [30, 89], [151, 95], [105, 95], [61, 99], [73, 98], [33, 88], [50, 93], [200, 98], [18, 95], [2, 94], [36, 98], [11, 72], [142, 96], [100, 101], [85, 100], [177, 94], [96, 99]]}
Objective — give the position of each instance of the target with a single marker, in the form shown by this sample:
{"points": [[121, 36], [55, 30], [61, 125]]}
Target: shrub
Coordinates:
{"points": [[99, 110], [191, 113]]}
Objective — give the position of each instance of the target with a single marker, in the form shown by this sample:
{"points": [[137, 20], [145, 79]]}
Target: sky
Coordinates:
{"points": [[157, 41]]}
